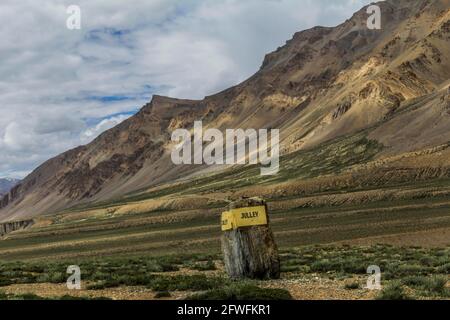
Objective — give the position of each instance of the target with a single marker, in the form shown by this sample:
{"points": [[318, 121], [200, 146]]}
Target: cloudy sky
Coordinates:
{"points": [[60, 88]]}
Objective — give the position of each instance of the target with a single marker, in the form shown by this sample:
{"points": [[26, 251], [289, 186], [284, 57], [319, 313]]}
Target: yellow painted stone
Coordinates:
{"points": [[244, 217], [227, 221], [249, 216]]}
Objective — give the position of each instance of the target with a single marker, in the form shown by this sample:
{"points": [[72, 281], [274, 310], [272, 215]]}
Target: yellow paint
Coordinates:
{"points": [[250, 216], [227, 221], [244, 217]]}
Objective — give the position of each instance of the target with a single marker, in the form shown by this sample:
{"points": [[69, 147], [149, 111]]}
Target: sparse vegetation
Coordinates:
{"points": [[203, 266], [431, 286], [352, 286], [162, 294], [393, 291], [243, 291], [186, 283], [32, 296], [416, 271]]}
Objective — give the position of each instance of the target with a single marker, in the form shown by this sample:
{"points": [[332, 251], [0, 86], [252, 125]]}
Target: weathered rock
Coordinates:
{"points": [[8, 227], [250, 252]]}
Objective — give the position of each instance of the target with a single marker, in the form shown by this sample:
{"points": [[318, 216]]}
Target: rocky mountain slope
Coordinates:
{"points": [[323, 84], [6, 184]]}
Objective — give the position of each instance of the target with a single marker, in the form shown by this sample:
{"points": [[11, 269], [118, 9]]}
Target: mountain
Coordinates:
{"points": [[6, 184], [323, 84]]}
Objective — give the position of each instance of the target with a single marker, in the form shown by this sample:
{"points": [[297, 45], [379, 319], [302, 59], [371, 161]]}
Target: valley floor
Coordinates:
{"points": [[308, 273], [334, 211], [422, 220]]}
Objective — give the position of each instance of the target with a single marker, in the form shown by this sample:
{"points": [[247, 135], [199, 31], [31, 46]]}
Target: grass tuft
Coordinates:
{"points": [[243, 291], [393, 291]]}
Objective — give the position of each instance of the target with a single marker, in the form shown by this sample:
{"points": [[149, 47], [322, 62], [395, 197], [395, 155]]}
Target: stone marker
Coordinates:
{"points": [[248, 244]]}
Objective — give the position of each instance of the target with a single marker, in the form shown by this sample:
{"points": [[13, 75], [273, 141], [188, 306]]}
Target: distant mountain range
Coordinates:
{"points": [[325, 83], [6, 184]]}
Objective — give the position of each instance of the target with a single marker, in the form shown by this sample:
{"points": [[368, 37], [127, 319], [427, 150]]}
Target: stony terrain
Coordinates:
{"points": [[311, 272]]}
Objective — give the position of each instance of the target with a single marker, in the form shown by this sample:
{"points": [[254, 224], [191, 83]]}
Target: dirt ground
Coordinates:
{"points": [[317, 288], [305, 288], [51, 290]]}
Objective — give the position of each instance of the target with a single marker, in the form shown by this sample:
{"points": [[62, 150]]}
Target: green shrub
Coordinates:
{"points": [[414, 281], [59, 277], [153, 266], [162, 294], [323, 265], [436, 285], [203, 266], [414, 269], [444, 268], [5, 282], [352, 286], [393, 291], [99, 275], [243, 292], [67, 297], [427, 261], [167, 267], [290, 268], [185, 283], [103, 285], [26, 296], [117, 280]]}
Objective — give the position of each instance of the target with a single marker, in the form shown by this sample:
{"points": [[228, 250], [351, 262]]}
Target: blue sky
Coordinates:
{"points": [[61, 88]]}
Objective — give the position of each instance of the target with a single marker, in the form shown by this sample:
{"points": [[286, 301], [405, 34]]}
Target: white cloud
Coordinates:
{"points": [[55, 82], [103, 125]]}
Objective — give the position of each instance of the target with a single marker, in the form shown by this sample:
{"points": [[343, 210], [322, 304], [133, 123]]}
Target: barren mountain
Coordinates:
{"points": [[325, 83]]}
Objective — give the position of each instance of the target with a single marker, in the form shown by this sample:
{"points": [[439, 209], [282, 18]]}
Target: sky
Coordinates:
{"points": [[60, 88]]}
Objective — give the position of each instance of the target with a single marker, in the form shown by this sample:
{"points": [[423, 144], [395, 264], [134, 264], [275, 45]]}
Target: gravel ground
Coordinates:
{"points": [[50, 290], [305, 288]]}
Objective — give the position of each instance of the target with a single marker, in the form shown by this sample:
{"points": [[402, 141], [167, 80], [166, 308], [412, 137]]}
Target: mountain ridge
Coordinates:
{"points": [[6, 184], [324, 83]]}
